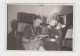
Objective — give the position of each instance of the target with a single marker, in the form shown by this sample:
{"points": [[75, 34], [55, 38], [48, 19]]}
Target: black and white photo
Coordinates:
{"points": [[41, 27]]}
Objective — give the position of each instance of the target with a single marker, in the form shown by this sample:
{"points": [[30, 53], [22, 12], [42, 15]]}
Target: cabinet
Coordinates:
{"points": [[23, 17]]}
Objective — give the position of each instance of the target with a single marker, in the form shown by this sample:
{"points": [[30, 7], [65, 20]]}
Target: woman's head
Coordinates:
{"points": [[37, 22], [14, 24], [53, 22]]}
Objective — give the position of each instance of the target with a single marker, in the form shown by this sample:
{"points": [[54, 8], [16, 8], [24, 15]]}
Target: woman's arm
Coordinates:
{"points": [[26, 34]]}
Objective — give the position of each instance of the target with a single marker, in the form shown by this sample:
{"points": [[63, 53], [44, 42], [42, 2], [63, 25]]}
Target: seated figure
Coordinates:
{"points": [[53, 42]]}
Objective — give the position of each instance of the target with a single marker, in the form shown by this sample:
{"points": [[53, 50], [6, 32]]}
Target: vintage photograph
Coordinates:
{"points": [[41, 27]]}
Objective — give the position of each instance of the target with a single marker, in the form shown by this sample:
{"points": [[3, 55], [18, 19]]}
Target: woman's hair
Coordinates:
{"points": [[14, 24]]}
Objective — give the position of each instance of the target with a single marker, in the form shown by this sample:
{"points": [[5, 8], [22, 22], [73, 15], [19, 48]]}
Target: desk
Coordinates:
{"points": [[68, 40], [67, 43]]}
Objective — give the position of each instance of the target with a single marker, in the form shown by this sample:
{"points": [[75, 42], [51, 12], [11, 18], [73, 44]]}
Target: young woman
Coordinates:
{"points": [[31, 39]]}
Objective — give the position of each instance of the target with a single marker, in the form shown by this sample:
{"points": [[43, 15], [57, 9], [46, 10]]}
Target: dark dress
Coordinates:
{"points": [[29, 34], [49, 45]]}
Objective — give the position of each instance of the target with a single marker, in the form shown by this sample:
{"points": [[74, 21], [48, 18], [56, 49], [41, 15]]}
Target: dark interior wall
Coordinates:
{"points": [[69, 19]]}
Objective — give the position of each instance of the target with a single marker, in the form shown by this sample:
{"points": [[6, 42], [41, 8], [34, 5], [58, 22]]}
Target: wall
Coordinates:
{"points": [[47, 10]]}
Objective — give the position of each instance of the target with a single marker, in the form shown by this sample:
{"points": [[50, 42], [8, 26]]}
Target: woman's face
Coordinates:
{"points": [[37, 22], [53, 22]]}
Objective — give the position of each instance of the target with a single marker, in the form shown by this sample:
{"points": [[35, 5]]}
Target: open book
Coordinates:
{"points": [[41, 36]]}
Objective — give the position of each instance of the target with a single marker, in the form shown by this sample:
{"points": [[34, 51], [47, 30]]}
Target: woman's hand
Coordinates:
{"points": [[56, 36], [24, 40]]}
